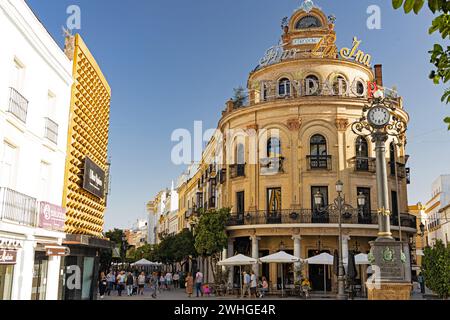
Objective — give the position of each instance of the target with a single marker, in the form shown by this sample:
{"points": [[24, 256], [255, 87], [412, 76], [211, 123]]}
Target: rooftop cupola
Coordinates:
{"points": [[309, 29]]}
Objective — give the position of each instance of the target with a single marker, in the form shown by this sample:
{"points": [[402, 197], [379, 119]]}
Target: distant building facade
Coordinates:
{"points": [[437, 212]]}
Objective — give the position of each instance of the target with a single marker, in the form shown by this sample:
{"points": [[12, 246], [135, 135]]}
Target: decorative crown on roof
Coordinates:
{"points": [[307, 6]]}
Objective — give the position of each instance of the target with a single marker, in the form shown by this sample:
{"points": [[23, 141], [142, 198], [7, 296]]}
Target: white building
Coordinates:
{"points": [[35, 87], [436, 221]]}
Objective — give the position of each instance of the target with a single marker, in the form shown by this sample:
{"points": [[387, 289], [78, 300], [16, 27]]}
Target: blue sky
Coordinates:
{"points": [[171, 62]]}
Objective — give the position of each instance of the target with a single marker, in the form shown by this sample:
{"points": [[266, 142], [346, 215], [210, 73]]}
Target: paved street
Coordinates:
{"points": [[179, 294]]}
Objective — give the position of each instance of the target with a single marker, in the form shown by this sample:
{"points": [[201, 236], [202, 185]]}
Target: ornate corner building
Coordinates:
{"points": [[303, 98]]}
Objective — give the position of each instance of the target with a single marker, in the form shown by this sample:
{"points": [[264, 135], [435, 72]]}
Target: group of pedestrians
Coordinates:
{"points": [[196, 282], [134, 283]]}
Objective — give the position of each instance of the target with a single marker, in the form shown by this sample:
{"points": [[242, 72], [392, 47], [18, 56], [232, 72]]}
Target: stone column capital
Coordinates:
{"points": [[345, 238], [296, 237], [255, 238]]}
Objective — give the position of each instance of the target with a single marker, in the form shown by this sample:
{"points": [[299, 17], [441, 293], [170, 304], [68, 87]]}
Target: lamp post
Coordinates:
{"points": [[340, 207], [124, 248]]}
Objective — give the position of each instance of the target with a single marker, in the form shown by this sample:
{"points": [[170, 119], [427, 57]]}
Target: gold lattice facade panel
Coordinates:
{"points": [[87, 138]]}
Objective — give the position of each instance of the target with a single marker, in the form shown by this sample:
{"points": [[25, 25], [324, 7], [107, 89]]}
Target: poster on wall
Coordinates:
{"points": [[94, 178]]}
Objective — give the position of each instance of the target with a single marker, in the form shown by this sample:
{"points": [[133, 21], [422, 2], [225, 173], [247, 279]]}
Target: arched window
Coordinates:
{"points": [[392, 151], [362, 149], [360, 89], [312, 85], [308, 22], [284, 87], [273, 147], [318, 145], [362, 154], [265, 92], [340, 86], [240, 154]]}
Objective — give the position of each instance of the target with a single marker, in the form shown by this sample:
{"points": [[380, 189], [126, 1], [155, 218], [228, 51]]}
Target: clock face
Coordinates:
{"points": [[379, 116]]}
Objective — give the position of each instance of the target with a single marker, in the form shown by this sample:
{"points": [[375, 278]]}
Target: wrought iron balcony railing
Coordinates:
{"points": [[18, 208], [308, 216], [399, 168], [363, 164], [237, 170], [51, 130], [319, 162], [18, 105]]}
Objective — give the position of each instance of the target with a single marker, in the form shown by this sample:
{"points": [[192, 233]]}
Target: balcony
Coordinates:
{"points": [[18, 208], [18, 105], [363, 164], [271, 166], [308, 216], [237, 170], [400, 168], [319, 162], [51, 130]]}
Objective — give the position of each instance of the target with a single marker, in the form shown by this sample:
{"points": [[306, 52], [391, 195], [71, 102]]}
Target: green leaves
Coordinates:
{"points": [[436, 268], [397, 4], [409, 5], [447, 120], [418, 5]]}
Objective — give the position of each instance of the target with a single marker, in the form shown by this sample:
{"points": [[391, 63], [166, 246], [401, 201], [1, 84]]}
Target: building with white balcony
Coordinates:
{"points": [[35, 86], [436, 222]]}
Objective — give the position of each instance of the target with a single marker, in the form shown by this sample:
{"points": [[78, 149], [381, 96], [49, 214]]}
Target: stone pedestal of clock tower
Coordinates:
{"points": [[389, 280]]}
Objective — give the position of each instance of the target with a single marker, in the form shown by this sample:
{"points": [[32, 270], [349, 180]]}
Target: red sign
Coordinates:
{"points": [[51, 217], [8, 256], [372, 87]]}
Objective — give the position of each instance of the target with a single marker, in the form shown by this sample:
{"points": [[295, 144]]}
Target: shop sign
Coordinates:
{"points": [[8, 256], [325, 48], [93, 179], [51, 217], [57, 251], [304, 41]]}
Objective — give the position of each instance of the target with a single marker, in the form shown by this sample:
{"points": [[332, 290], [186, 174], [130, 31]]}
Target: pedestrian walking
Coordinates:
{"points": [[189, 285], [198, 283], [253, 284], [176, 280], [154, 284], [102, 285], [110, 279], [121, 283], [168, 279], [162, 282], [246, 287], [141, 283], [421, 281], [129, 283]]}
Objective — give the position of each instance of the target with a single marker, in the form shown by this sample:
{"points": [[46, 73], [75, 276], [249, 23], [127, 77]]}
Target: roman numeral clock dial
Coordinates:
{"points": [[379, 117]]}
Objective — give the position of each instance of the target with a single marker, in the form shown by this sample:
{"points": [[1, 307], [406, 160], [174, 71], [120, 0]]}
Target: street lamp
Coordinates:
{"points": [[340, 207]]}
